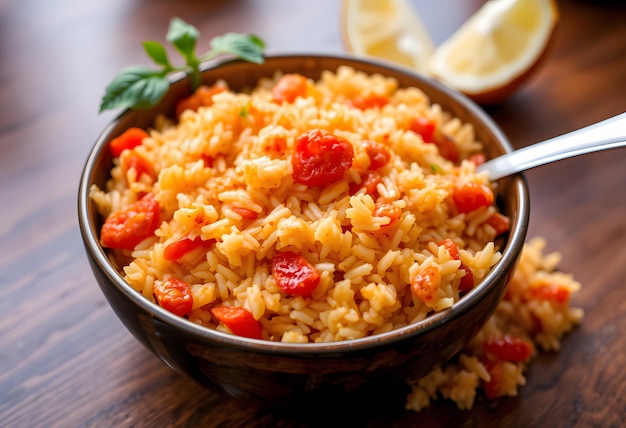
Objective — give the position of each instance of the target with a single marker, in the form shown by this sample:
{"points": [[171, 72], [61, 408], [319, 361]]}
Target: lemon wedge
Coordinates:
{"points": [[388, 29], [487, 58], [496, 49]]}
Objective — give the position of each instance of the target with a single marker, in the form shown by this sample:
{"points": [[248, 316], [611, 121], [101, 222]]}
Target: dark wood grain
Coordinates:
{"points": [[65, 359]]}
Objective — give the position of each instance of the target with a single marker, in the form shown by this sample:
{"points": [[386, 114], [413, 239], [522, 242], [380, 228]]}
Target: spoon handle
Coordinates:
{"points": [[604, 135]]}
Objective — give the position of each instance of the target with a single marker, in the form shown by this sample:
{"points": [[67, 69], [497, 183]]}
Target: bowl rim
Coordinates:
{"points": [[510, 252]]}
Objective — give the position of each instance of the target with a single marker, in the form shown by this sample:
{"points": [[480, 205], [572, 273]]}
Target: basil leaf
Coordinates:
{"points": [[157, 52], [183, 36], [141, 88], [135, 87], [244, 46]]}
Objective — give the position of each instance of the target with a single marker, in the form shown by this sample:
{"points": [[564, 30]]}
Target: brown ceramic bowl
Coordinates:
{"points": [[285, 372]]}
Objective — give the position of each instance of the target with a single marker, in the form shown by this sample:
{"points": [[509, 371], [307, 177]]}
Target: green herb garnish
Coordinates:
{"points": [[435, 168], [139, 87], [245, 110]]}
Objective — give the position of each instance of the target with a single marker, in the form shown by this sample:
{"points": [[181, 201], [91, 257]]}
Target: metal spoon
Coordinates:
{"points": [[604, 135]]}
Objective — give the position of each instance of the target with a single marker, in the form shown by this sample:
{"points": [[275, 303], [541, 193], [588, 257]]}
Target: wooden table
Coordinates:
{"points": [[67, 361]]}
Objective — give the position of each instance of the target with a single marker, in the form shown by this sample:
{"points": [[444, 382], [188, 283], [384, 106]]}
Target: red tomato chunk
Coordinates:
{"points": [[174, 295], [133, 160], [471, 196], [129, 139], [378, 153], [289, 87], [369, 101], [425, 285], [239, 321], [496, 386], [203, 96], [508, 348], [551, 292], [430, 134], [294, 274], [177, 249], [127, 228], [320, 158]]}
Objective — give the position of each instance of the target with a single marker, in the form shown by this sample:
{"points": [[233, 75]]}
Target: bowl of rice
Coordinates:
{"points": [[304, 229]]}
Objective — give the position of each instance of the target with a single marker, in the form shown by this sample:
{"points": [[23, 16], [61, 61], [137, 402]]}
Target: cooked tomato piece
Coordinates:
{"points": [[289, 87], [471, 196], [130, 159], [379, 154], [447, 147], [467, 280], [500, 223], [508, 348], [129, 139], [294, 274], [385, 209], [430, 134], [127, 228], [369, 182], [246, 213], [175, 250], [174, 295], [496, 386], [239, 321], [478, 158], [424, 127], [203, 96], [320, 158], [552, 292], [425, 285], [369, 101], [452, 248]]}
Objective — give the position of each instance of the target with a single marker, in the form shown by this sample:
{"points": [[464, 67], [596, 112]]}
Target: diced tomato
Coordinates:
{"points": [[452, 248], [478, 158], [205, 93], [289, 87], [275, 145], [207, 160], [246, 213], [425, 285], [467, 280], [370, 101], [130, 159], [294, 274], [239, 321], [127, 228], [508, 348], [385, 209], [447, 147], [203, 96], [495, 387], [471, 196], [424, 127], [379, 154], [129, 139], [174, 295], [552, 292], [320, 158], [430, 134], [175, 250], [500, 223], [369, 182]]}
